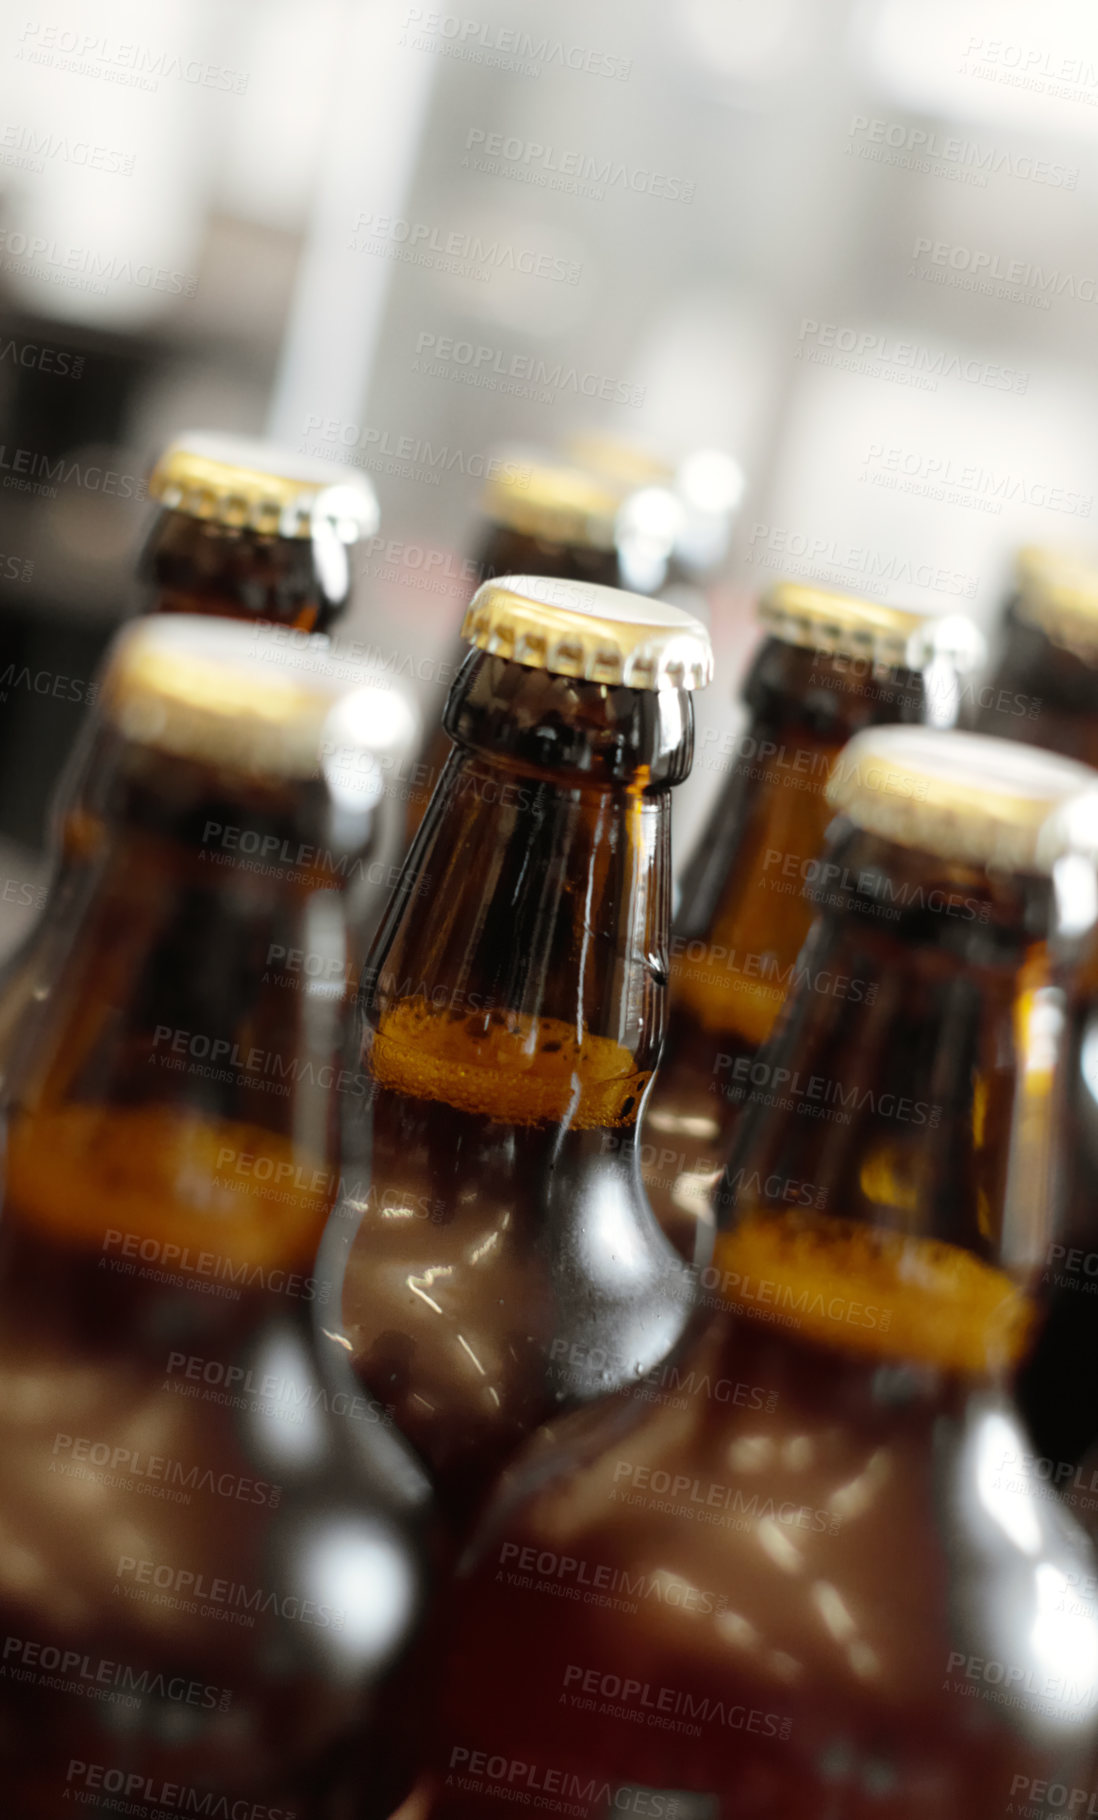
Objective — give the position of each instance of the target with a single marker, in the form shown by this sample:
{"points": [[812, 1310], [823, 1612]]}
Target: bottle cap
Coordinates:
{"points": [[1058, 592], [843, 625], [246, 484], [961, 796], [576, 628], [557, 502], [257, 701]]}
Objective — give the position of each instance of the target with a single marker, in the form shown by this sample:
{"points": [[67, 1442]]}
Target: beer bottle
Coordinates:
{"points": [[214, 1547], [705, 489], [795, 1576], [1044, 688], [248, 530], [538, 517], [829, 665], [509, 1263], [1059, 1386], [357, 776]]}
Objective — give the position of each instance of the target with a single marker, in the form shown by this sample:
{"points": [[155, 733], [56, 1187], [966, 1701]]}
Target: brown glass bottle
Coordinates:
{"points": [[1059, 1387], [538, 517], [830, 665], [1044, 689], [214, 1545], [512, 1008], [251, 531], [788, 1577]]}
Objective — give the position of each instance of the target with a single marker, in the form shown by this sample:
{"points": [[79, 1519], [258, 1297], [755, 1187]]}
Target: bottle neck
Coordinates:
{"points": [[175, 1101], [522, 963], [894, 1147], [745, 912], [191, 565], [802, 706]]}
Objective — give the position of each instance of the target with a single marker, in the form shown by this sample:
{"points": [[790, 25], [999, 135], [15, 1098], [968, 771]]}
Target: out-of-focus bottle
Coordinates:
{"points": [[376, 735], [696, 499], [829, 666], [538, 517], [1059, 1388], [509, 1264], [793, 1571], [214, 1545], [1044, 687], [248, 530]]}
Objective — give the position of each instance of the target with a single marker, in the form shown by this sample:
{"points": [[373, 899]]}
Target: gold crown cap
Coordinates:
{"points": [[576, 628], [253, 700], [962, 796], [1058, 592], [557, 501], [247, 484], [844, 625]]}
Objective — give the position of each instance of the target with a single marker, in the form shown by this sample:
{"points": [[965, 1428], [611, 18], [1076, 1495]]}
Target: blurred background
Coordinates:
{"points": [[851, 244]]}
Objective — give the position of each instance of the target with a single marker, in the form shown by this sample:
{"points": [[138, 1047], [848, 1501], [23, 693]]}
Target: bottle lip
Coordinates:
{"points": [[251, 699], [583, 630], [558, 501], [965, 797], [846, 625], [1058, 593], [244, 482]]}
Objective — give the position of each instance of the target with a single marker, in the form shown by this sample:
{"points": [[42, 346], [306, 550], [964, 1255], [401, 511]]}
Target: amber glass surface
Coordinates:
{"points": [[797, 1570], [1042, 693], [1059, 1387], [194, 565], [746, 906], [503, 551], [214, 1545], [509, 1264]]}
